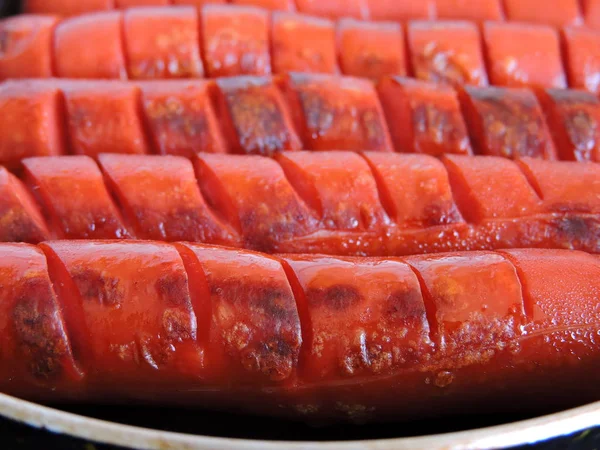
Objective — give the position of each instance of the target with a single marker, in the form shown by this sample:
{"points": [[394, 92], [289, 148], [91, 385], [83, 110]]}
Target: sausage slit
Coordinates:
{"points": [[303, 313], [430, 309]]}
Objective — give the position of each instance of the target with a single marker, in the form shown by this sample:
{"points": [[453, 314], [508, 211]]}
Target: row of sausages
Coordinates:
{"points": [[301, 336], [174, 42], [372, 204], [561, 12], [262, 115]]}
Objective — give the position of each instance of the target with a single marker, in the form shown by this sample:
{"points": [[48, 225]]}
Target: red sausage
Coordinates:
{"points": [[489, 313], [401, 10], [333, 8], [274, 5], [235, 186], [591, 11], [130, 313], [320, 107], [33, 335], [162, 200], [32, 122], [477, 10], [448, 52], [310, 337], [414, 190], [574, 120], [423, 117], [162, 43], [252, 335], [124, 4], [103, 57], [338, 186], [104, 115], [67, 7], [302, 43], [254, 116], [547, 179], [27, 46], [506, 122], [354, 307], [235, 40], [523, 55], [581, 52], [74, 197], [197, 3], [490, 189], [371, 49], [20, 217], [558, 14], [336, 202], [180, 118]]}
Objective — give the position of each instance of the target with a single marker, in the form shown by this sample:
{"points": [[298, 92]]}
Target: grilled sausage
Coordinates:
{"points": [[230, 40], [309, 202], [309, 337], [265, 116]]}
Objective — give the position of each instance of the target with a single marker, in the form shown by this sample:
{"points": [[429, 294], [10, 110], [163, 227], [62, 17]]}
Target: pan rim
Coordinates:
{"points": [[127, 436]]}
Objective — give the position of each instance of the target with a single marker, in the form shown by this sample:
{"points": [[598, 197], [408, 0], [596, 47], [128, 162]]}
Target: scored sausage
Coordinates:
{"points": [[562, 12], [309, 337], [297, 111], [309, 202], [465, 44]]}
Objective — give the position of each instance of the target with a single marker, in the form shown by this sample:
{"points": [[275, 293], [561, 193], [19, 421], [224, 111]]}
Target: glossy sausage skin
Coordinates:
{"points": [[562, 12], [339, 203], [308, 337], [465, 42], [267, 115]]}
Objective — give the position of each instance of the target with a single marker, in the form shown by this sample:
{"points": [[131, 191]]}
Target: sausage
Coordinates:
{"points": [[162, 43], [319, 106], [423, 117], [562, 12], [70, 7], [26, 45], [254, 116], [161, 199], [573, 118], [273, 5], [400, 10], [476, 10], [104, 57], [123, 4], [301, 336], [448, 52], [180, 118], [345, 203], [79, 205], [301, 43], [591, 11], [582, 58], [267, 115], [506, 122], [20, 216], [333, 8], [371, 49], [523, 55], [33, 122], [229, 40], [235, 40], [106, 115]]}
